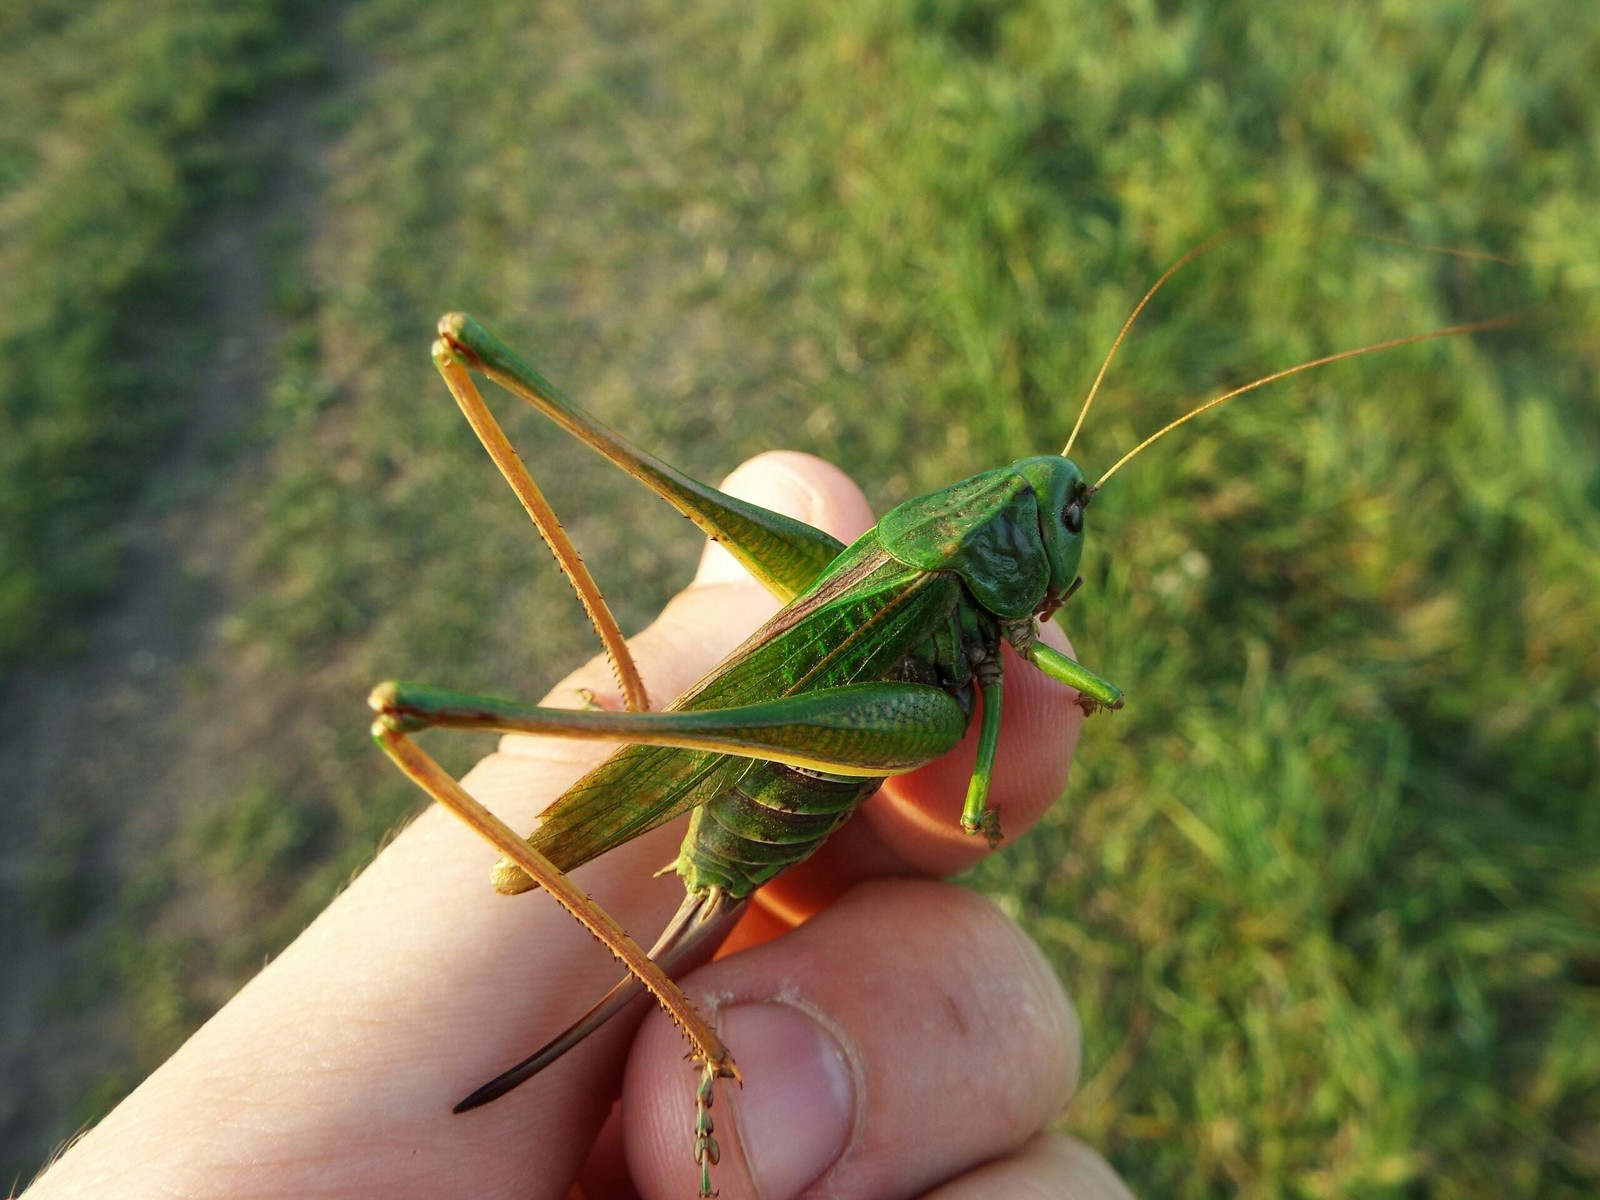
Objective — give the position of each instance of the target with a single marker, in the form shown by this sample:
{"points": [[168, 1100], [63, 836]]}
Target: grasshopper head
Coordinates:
{"points": [[1063, 495]]}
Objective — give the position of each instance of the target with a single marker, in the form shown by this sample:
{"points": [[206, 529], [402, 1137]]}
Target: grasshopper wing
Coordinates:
{"points": [[855, 624]]}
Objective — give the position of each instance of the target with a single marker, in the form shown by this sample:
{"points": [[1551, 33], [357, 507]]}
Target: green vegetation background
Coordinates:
{"points": [[1326, 891]]}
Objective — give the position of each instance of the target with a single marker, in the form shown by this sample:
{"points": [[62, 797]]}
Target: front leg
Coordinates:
{"points": [[1094, 693]]}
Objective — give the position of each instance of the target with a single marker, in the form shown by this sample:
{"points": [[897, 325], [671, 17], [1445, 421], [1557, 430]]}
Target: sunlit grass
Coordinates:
{"points": [[108, 148]]}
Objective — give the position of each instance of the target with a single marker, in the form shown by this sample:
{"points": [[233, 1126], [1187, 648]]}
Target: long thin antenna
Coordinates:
{"points": [[1465, 252], [1210, 243], [1454, 330]]}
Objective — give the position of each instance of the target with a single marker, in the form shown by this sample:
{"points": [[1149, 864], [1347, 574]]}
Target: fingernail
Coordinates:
{"points": [[796, 1109], [763, 482]]}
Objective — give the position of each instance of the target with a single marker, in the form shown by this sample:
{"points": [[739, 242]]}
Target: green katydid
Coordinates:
{"points": [[872, 669]]}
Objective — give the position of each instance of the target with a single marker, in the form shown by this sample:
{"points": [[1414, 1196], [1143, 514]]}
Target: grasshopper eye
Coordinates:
{"points": [[1072, 517]]}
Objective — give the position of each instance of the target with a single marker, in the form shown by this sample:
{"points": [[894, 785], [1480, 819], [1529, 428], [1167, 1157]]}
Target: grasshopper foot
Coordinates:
{"points": [[706, 1151], [988, 825], [1091, 706]]}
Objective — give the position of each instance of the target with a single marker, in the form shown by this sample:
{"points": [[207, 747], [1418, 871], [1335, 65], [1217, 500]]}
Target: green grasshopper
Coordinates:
{"points": [[873, 668]]}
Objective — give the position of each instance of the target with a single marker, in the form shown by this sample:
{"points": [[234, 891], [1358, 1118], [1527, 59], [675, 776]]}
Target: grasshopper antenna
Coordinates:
{"points": [[1373, 348], [1463, 252], [1227, 235], [1245, 229]]}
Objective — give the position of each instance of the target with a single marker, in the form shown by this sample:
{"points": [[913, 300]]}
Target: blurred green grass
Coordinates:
{"points": [[108, 146], [1326, 891]]}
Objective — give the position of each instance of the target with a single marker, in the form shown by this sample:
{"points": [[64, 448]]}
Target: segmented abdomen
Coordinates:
{"points": [[772, 818]]}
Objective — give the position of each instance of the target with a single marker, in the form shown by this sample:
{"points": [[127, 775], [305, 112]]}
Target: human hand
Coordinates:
{"points": [[906, 1040]]}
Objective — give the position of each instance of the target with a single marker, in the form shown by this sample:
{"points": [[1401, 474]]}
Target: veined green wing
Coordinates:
{"points": [[888, 608]]}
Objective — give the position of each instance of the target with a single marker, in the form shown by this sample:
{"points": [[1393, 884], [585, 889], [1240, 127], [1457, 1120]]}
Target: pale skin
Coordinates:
{"points": [[906, 1040]]}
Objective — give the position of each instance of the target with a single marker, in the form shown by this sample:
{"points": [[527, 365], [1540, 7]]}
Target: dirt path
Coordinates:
{"points": [[99, 755]]}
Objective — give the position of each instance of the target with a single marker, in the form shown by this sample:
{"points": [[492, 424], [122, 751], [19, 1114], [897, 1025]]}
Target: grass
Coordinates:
{"points": [[108, 147], [1325, 891]]}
